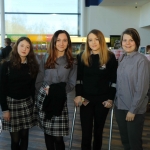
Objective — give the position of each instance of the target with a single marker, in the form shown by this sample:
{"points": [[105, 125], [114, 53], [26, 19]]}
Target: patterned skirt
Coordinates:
{"points": [[57, 126], [22, 115]]}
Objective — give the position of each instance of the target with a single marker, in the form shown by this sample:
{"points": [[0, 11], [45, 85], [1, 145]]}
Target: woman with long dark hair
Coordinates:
{"points": [[56, 77], [17, 93]]}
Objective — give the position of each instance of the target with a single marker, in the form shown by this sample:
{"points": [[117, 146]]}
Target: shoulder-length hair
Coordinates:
{"points": [[135, 36], [31, 60], [51, 61], [103, 52]]}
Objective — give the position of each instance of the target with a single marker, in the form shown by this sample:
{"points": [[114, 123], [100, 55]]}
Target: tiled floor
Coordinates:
{"points": [[36, 139]]}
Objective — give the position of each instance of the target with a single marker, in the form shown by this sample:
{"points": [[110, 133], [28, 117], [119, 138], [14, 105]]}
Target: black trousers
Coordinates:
{"points": [[130, 131], [97, 113]]}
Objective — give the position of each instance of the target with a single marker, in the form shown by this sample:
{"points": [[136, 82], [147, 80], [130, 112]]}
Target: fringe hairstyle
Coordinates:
{"points": [[31, 60], [103, 52], [135, 36], [51, 61]]}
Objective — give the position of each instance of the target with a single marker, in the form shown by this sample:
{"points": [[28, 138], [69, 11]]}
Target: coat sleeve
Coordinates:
{"points": [[72, 78], [141, 90], [40, 76], [3, 86], [113, 77], [80, 68]]}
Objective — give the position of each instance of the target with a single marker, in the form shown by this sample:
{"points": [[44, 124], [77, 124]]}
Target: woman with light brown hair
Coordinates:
{"points": [[56, 78], [96, 88]]}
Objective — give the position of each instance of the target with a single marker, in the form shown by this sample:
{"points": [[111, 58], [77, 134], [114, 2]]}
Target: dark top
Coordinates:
{"points": [[15, 83], [96, 81], [6, 51], [0, 55], [54, 103]]}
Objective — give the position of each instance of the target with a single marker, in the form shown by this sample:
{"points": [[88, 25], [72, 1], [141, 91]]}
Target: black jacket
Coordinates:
{"points": [[55, 100], [6, 51]]}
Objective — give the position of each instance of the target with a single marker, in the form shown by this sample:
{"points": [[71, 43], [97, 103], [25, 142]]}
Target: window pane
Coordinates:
{"points": [[42, 6], [0, 20], [40, 24]]}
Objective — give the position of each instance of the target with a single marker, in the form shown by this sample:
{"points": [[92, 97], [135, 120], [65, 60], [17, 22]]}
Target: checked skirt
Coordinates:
{"points": [[58, 125], [22, 115]]}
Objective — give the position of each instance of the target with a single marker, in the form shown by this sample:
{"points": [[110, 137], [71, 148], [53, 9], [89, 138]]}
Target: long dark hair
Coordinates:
{"points": [[31, 60], [51, 61]]}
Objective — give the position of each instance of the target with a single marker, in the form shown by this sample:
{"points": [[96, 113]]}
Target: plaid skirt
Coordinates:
{"points": [[57, 126], [22, 115]]}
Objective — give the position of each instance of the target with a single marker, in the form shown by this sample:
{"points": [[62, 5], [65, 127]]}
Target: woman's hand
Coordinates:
{"points": [[130, 116], [78, 101], [6, 115], [47, 90], [84, 101], [108, 103]]}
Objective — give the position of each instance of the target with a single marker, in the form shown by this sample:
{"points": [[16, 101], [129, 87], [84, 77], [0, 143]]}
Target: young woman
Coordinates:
{"points": [[133, 78], [57, 76], [17, 93], [96, 89]]}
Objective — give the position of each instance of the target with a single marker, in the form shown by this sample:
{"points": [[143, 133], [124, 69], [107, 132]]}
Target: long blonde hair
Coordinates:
{"points": [[103, 52]]}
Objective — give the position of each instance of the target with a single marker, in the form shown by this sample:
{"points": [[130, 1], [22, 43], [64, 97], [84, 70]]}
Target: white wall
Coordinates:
{"points": [[145, 15], [113, 20], [145, 35]]}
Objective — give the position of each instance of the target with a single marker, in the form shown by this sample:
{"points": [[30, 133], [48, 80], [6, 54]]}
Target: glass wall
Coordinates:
{"points": [[0, 27], [41, 16]]}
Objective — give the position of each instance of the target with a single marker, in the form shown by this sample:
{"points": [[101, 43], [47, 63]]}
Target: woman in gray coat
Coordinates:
{"points": [[57, 77]]}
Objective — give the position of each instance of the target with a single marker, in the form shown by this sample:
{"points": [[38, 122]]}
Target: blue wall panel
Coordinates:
{"points": [[92, 2]]}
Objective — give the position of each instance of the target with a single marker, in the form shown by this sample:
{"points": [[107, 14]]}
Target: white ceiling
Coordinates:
{"points": [[123, 2]]}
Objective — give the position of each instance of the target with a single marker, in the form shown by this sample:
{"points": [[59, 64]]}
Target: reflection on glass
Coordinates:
{"points": [[44, 6], [40, 24], [77, 48], [142, 49]]}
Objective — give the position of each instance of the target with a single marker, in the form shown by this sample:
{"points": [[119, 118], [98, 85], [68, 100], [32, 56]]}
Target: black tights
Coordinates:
{"points": [[19, 140], [54, 142]]}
